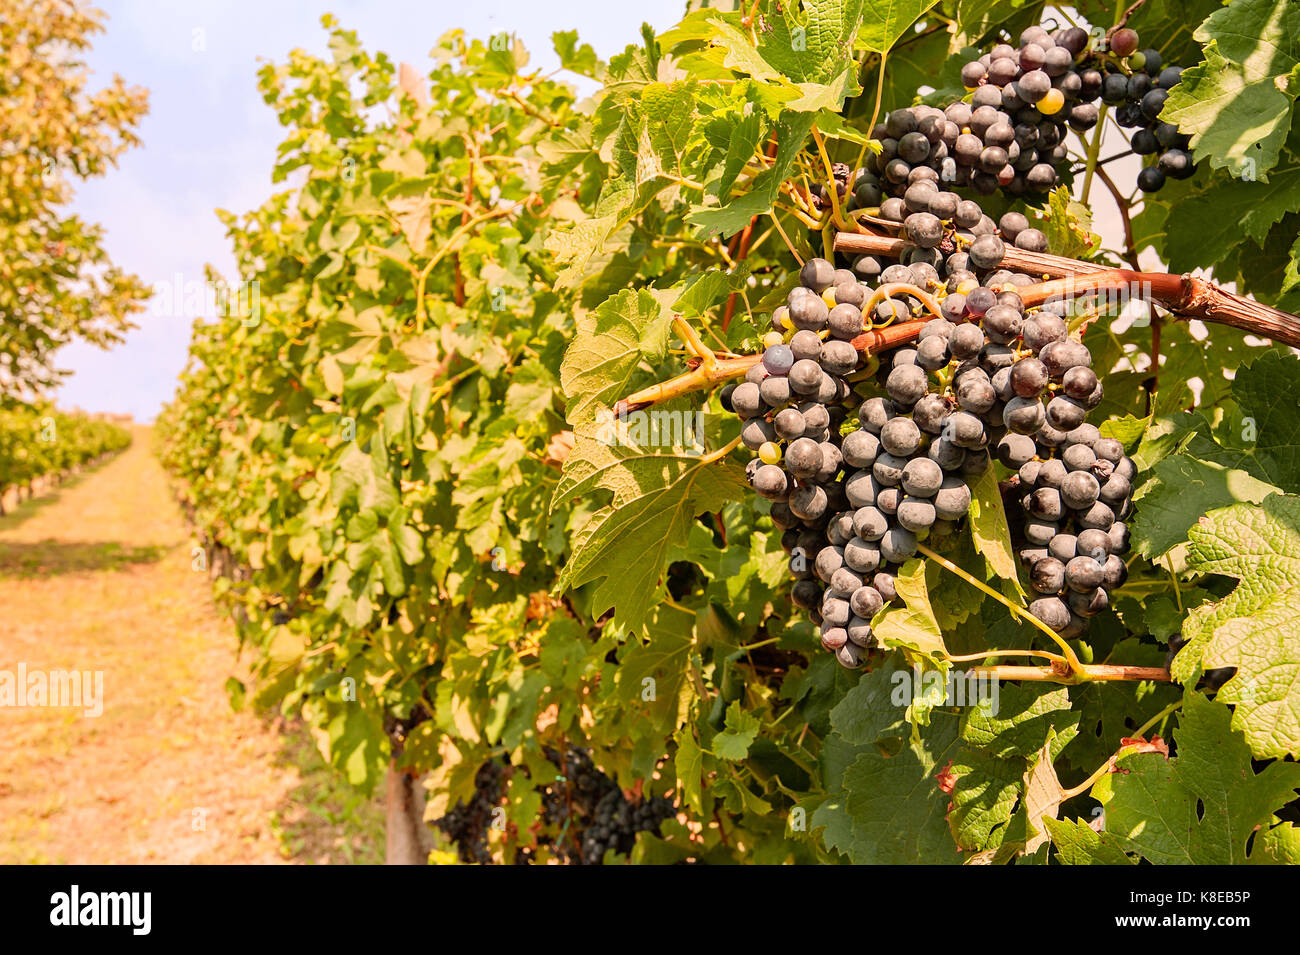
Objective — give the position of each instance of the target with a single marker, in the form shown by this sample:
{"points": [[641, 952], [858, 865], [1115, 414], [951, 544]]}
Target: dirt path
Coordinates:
{"points": [[97, 576]]}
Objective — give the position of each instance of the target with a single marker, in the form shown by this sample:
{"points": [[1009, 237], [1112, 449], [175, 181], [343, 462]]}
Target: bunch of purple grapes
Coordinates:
{"points": [[1056, 76], [863, 462], [1140, 98], [1011, 132], [1075, 485]]}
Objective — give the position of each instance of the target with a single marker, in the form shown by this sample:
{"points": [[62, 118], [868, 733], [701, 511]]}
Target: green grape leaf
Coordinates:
{"points": [[1202, 806], [1265, 649], [1277, 846], [874, 706], [729, 218], [626, 544], [653, 678], [989, 529], [1201, 229], [1260, 546], [912, 625], [1166, 435], [825, 99], [1266, 438], [1185, 357], [1068, 226], [891, 810], [985, 792], [1127, 430], [703, 290], [689, 768], [811, 42], [741, 730], [577, 57], [885, 21], [740, 53], [819, 687], [1180, 490], [357, 746], [1237, 102], [833, 126], [1079, 844], [1020, 721], [670, 109], [611, 343], [575, 248], [742, 142], [1291, 277]]}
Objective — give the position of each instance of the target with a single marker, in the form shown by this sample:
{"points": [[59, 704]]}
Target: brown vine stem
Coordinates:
{"points": [[1187, 296], [703, 376], [1087, 673], [1123, 20], [1125, 210]]}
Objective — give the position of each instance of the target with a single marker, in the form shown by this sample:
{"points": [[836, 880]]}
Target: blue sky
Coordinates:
{"points": [[209, 141]]}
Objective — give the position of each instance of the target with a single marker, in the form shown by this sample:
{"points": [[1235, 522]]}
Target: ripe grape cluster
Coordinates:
{"points": [[856, 485], [584, 813], [467, 823], [591, 811], [1075, 485], [1140, 99], [855, 496], [1011, 133]]}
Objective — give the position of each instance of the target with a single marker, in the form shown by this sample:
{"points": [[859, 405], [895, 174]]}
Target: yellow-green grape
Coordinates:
{"points": [[773, 338], [1051, 103], [828, 297], [769, 452], [1138, 60], [967, 285]]}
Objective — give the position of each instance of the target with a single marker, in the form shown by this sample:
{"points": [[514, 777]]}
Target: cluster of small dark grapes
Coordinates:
{"points": [[592, 812], [1057, 75], [466, 825], [1140, 98], [584, 813], [854, 502], [616, 822], [1074, 485], [1011, 133]]}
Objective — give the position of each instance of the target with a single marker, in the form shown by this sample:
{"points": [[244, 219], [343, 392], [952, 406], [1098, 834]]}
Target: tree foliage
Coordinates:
{"points": [[57, 283]]}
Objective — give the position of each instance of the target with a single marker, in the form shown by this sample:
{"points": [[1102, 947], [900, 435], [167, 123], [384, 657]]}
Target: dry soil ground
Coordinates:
{"points": [[98, 576]]}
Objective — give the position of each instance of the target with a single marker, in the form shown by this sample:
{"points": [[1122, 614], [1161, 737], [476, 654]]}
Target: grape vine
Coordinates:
{"points": [[549, 399]]}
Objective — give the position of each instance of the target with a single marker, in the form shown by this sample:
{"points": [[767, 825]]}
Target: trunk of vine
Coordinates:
{"points": [[407, 835]]}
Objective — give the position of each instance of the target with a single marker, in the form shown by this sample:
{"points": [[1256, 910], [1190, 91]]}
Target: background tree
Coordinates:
{"points": [[57, 284]]}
